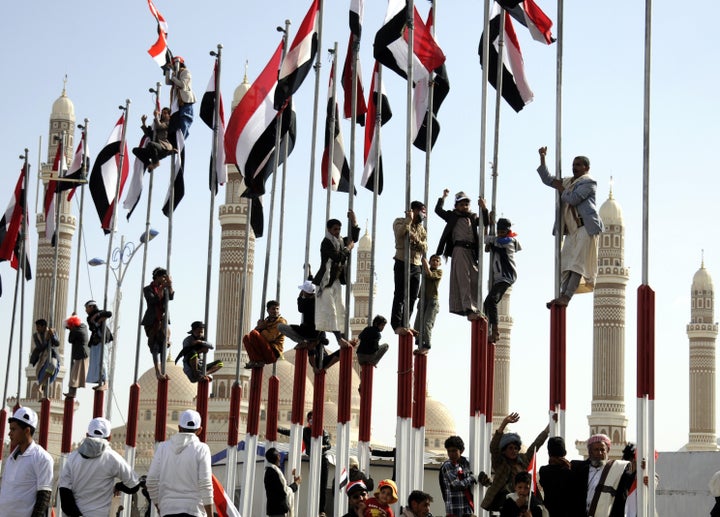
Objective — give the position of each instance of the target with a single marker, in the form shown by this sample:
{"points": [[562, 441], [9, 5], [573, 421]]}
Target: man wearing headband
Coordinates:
{"points": [[600, 486], [357, 494]]}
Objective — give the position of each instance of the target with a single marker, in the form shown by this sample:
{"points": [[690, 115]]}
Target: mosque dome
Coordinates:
{"points": [[181, 392], [365, 243], [63, 108], [610, 211], [439, 424], [285, 373], [701, 280], [241, 90]]}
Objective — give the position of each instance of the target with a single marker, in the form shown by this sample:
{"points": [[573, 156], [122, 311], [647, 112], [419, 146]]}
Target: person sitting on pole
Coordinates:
{"points": [[265, 344], [193, 353], [100, 335], [158, 146], [370, 351]]}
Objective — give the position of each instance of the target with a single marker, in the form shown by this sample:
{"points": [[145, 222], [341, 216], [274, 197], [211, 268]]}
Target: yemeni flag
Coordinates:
{"points": [[207, 114], [356, 17], [104, 175], [515, 89], [377, 103], [179, 181], [49, 203], [11, 226], [339, 171], [441, 88], [347, 80], [391, 43], [531, 16], [299, 59], [76, 170], [159, 51], [135, 188], [250, 134], [223, 504]]}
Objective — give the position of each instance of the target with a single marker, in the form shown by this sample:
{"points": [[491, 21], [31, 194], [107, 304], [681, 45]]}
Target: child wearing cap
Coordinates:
{"points": [[460, 240], [502, 248], [384, 496]]}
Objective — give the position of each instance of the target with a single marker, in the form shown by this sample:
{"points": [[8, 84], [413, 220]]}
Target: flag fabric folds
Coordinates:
{"points": [[347, 80], [422, 115], [207, 114], [49, 203], [223, 504], [299, 59], [339, 171], [377, 102], [250, 134], [178, 185], [135, 188], [531, 16], [104, 175], [76, 170], [515, 89], [356, 16], [10, 229], [391, 43], [159, 52]]}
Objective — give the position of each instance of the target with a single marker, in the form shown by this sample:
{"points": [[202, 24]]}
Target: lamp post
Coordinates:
{"points": [[120, 259]]}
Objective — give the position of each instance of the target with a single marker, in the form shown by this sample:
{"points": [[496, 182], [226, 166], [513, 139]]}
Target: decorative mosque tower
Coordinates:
{"points": [[501, 381], [233, 222], [702, 332], [62, 119], [607, 414]]}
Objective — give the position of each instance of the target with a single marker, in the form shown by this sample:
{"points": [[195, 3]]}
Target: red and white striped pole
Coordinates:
{"points": [[251, 440], [342, 444], [366, 392], [478, 399], [418, 421], [201, 406], [403, 433], [316, 452], [297, 415], [233, 436], [558, 369], [646, 399]]}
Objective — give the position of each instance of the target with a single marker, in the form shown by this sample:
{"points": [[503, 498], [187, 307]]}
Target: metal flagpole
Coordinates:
{"points": [[99, 394], [311, 178], [84, 130], [376, 187], [331, 137], [23, 255], [281, 227]]}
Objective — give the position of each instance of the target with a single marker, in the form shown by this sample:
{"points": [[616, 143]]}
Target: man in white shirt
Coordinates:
{"points": [[28, 472], [87, 481], [180, 477]]}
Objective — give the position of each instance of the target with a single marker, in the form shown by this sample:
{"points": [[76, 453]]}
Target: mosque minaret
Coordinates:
{"points": [[607, 414], [702, 332], [501, 381], [233, 223]]}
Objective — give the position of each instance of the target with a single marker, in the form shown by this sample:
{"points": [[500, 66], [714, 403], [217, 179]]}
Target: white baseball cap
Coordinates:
{"points": [[190, 420], [26, 416], [99, 428]]}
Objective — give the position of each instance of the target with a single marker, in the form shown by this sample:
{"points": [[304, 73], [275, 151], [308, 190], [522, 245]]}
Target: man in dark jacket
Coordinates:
{"points": [[278, 492]]}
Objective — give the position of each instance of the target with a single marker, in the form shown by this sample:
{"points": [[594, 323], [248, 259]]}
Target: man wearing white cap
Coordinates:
{"points": [[28, 472], [180, 477], [87, 481], [600, 486]]}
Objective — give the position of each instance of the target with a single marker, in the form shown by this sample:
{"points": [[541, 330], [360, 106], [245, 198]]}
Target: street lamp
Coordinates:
{"points": [[120, 259]]}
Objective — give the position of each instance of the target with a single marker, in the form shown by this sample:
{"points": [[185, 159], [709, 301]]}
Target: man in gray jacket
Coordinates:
{"points": [[180, 477], [580, 225]]}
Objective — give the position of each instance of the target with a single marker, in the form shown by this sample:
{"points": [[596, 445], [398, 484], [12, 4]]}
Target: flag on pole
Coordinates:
{"points": [[59, 169], [515, 89], [76, 171], [223, 504], [391, 43], [347, 80], [10, 229], [250, 134], [207, 114], [377, 101], [159, 51], [356, 17], [532, 470], [340, 169], [441, 88], [104, 175], [135, 188], [299, 59], [531, 16], [179, 181]]}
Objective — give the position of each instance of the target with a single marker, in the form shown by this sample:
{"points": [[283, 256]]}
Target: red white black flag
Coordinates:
{"points": [[339, 171], [159, 51], [58, 170], [531, 16], [299, 59], [207, 114], [104, 175], [11, 226], [77, 172], [515, 89], [377, 103]]}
